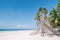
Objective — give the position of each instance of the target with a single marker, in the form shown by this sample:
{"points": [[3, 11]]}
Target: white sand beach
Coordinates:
{"points": [[24, 35]]}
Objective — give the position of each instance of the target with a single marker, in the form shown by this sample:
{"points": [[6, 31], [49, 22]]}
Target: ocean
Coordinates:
{"points": [[14, 29]]}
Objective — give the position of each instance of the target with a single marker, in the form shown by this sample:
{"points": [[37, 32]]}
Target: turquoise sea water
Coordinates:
{"points": [[8, 30]]}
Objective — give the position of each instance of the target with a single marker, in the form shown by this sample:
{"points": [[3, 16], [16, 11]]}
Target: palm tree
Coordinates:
{"points": [[58, 14], [37, 17], [53, 18], [41, 12]]}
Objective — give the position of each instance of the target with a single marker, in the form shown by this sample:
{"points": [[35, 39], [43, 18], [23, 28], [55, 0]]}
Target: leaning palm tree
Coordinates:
{"points": [[41, 14], [53, 19], [58, 15], [41, 20], [37, 18]]}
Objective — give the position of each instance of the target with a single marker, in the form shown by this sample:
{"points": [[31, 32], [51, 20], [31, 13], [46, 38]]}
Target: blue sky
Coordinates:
{"points": [[19, 14]]}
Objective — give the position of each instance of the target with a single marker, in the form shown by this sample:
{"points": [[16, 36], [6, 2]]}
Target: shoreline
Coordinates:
{"points": [[24, 35]]}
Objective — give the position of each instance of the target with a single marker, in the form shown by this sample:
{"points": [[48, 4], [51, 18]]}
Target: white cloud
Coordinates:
{"points": [[22, 26], [19, 26]]}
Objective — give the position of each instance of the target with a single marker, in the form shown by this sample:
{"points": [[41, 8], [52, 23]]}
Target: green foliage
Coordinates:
{"points": [[41, 12], [54, 16], [37, 16]]}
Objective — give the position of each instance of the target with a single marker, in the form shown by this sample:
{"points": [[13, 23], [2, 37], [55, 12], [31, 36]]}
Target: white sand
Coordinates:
{"points": [[24, 35]]}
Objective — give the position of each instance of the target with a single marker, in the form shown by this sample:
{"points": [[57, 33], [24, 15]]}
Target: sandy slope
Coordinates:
{"points": [[24, 35]]}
